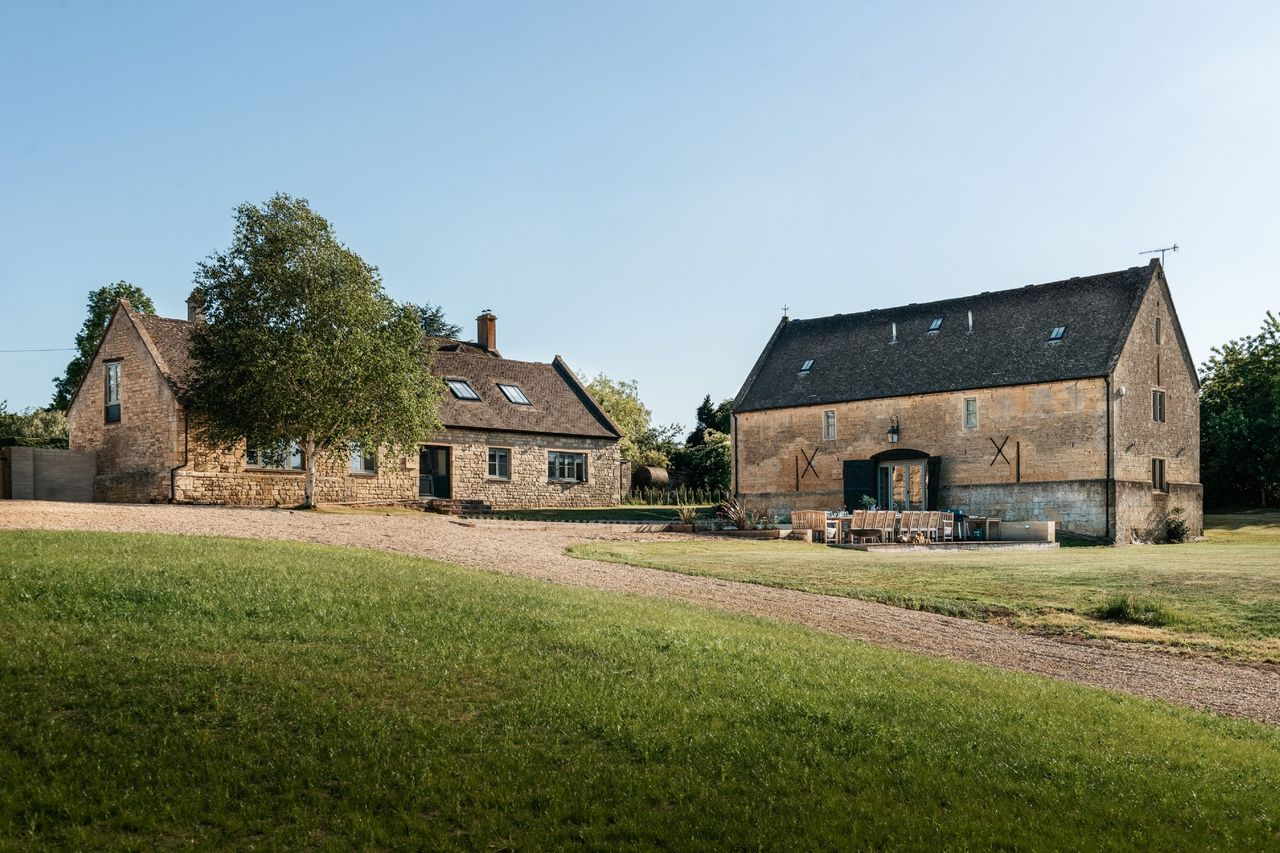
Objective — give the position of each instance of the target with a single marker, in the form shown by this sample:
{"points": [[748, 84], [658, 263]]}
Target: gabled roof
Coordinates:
{"points": [[559, 404], [170, 344], [855, 356]]}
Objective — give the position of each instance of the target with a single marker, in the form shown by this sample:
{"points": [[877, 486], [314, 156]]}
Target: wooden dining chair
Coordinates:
{"points": [[948, 528], [933, 526]]}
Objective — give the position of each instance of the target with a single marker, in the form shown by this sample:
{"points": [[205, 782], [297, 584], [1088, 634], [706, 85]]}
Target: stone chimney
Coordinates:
{"points": [[195, 308], [486, 330]]}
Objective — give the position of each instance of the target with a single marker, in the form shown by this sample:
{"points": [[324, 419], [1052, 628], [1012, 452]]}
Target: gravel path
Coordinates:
{"points": [[534, 550]]}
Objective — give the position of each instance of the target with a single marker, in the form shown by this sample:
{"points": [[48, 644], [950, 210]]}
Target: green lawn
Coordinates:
{"points": [[635, 513], [176, 691], [1221, 596]]}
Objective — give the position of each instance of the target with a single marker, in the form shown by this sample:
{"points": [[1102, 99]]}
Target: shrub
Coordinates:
{"points": [[687, 513], [1135, 611], [1175, 526]]}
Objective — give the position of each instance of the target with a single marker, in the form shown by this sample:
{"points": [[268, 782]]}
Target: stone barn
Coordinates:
{"points": [[1075, 401]]}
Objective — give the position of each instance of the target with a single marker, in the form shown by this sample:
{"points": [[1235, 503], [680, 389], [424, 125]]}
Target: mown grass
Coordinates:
{"points": [[1221, 596], [174, 691], [604, 513]]}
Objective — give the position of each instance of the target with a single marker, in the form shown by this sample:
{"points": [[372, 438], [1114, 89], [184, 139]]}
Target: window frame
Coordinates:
{"points": [[368, 463], [507, 388], [111, 408], [1057, 333], [965, 419], [806, 366], [1159, 475], [1159, 405], [555, 466], [292, 451], [829, 425], [495, 468], [452, 384], [935, 325]]}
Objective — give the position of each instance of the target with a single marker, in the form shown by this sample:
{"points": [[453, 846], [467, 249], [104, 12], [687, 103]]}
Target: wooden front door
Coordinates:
{"points": [[433, 472]]}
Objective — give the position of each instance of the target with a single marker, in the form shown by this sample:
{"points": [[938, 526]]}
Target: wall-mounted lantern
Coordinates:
{"points": [[892, 432]]}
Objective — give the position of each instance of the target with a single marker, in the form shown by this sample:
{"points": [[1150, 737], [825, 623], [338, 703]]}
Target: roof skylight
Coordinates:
{"points": [[461, 389], [807, 366], [514, 394], [1057, 333], [936, 324]]}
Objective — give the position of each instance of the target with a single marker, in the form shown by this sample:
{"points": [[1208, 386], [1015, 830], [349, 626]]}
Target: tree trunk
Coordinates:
{"points": [[309, 490]]}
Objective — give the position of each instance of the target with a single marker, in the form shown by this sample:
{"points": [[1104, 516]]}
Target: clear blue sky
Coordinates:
{"points": [[641, 187]]}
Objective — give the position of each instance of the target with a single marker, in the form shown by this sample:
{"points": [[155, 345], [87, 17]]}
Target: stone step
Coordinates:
{"points": [[458, 507]]}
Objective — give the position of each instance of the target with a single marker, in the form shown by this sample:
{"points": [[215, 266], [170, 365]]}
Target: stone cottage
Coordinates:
{"points": [[1075, 401], [516, 433]]}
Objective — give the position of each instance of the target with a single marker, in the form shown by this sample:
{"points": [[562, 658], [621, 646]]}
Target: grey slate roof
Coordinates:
{"points": [[853, 358], [560, 405]]}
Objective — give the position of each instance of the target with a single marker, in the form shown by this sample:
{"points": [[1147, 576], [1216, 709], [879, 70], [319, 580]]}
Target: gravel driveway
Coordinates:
{"points": [[535, 550]]}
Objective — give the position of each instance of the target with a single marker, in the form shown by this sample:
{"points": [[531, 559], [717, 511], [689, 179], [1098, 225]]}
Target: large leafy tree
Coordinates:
{"points": [[435, 324], [301, 344], [643, 443], [1240, 419], [102, 302]]}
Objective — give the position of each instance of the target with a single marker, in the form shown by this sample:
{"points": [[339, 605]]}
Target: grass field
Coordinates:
{"points": [[637, 513], [169, 691], [1221, 596]]}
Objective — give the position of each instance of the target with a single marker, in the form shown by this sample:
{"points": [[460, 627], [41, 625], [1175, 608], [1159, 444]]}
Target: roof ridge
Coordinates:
{"points": [[990, 293]]}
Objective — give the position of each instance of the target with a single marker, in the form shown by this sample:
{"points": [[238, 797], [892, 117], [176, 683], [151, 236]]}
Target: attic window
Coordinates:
{"points": [[807, 366], [514, 394], [461, 389], [936, 324], [1057, 333]]}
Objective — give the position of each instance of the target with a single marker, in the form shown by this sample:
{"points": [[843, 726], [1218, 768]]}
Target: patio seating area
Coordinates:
{"points": [[889, 530]]}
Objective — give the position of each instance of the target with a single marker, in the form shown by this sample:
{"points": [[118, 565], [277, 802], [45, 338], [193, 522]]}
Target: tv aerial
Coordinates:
{"points": [[1172, 248]]}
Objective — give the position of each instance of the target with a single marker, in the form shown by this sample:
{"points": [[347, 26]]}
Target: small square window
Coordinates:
{"points": [[461, 389], [935, 324], [1057, 333], [1157, 406], [807, 366], [499, 463], [514, 394], [970, 412], [566, 467], [829, 425]]}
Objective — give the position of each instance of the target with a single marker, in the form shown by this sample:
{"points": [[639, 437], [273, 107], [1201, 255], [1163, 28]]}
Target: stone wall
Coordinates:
{"points": [[1140, 512], [1076, 506], [1145, 366], [528, 485], [1056, 433], [134, 455], [220, 476]]}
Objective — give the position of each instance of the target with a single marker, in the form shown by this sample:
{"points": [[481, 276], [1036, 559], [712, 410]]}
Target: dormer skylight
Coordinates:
{"points": [[514, 394], [935, 324], [807, 366], [461, 389], [1057, 333]]}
